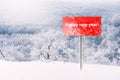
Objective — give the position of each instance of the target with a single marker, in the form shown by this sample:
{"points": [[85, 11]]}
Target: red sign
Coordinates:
{"points": [[82, 26]]}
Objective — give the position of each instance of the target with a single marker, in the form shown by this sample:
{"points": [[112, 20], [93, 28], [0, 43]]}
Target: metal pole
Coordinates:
{"points": [[81, 56]]}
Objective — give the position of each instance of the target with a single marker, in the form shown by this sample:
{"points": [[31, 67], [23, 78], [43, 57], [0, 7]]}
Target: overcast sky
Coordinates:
{"points": [[20, 11]]}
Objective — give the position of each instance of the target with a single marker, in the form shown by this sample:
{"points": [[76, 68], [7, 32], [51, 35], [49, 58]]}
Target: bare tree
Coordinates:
{"points": [[115, 55], [2, 54], [46, 54]]}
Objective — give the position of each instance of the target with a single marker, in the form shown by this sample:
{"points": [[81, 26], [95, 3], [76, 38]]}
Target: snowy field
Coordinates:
{"points": [[56, 71], [30, 30]]}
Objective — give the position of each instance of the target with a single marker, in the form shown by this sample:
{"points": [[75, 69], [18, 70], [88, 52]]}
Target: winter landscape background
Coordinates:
{"points": [[31, 31]]}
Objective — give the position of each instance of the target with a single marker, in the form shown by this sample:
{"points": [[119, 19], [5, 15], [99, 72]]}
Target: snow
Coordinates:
{"points": [[56, 71], [28, 27]]}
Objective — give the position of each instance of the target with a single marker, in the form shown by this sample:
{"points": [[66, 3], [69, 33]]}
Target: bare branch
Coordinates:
{"points": [[46, 55], [2, 54], [49, 46], [42, 54]]}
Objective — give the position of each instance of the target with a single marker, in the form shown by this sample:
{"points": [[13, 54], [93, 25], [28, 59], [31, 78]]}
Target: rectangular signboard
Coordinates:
{"points": [[82, 26]]}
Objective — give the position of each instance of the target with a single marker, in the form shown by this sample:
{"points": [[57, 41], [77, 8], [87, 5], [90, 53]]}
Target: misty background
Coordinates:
{"points": [[32, 30]]}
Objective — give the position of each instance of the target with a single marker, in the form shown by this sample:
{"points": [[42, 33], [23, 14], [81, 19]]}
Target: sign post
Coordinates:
{"points": [[80, 52], [81, 26]]}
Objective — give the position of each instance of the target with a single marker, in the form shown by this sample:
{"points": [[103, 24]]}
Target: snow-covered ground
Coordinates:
{"points": [[56, 71]]}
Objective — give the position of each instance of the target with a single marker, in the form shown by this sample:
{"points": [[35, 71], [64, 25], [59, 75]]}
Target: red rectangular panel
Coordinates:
{"points": [[82, 26]]}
